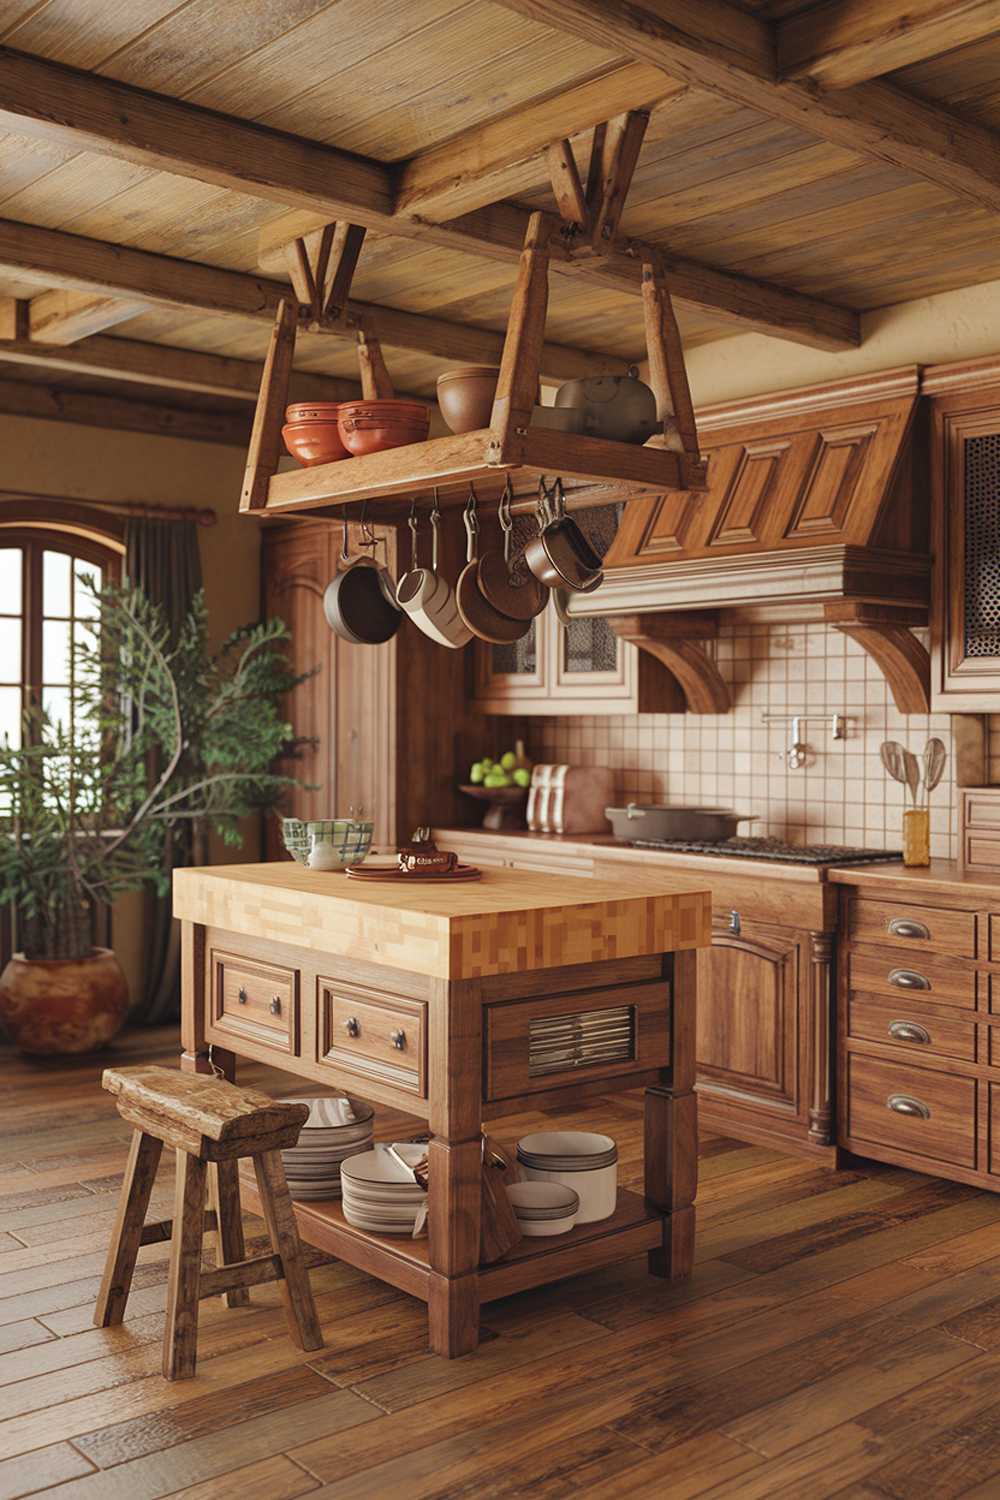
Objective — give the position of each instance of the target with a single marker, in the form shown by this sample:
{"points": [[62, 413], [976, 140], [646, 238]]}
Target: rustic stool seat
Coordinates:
{"points": [[209, 1122]]}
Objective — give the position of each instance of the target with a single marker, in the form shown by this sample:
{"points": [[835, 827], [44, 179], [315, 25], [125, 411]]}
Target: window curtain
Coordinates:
{"points": [[162, 559]]}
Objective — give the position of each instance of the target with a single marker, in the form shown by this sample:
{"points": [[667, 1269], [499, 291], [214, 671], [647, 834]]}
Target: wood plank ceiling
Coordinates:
{"points": [[731, 187]]}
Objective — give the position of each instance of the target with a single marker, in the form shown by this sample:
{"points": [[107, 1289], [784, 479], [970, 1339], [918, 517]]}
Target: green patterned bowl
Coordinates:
{"points": [[350, 837]]}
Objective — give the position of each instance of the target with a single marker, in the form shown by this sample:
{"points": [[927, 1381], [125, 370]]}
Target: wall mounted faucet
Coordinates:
{"points": [[796, 755]]}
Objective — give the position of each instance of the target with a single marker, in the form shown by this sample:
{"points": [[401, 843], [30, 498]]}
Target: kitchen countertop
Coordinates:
{"points": [[939, 875], [508, 921]]}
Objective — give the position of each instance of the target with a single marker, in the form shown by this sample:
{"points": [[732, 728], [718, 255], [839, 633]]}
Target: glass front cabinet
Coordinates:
{"points": [[582, 668]]}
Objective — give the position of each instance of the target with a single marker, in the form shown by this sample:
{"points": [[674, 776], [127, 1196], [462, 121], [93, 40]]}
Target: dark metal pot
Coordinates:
{"points": [[620, 407], [360, 606]]}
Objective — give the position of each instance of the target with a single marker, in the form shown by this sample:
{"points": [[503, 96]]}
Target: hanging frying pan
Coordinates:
{"points": [[486, 622], [360, 603]]}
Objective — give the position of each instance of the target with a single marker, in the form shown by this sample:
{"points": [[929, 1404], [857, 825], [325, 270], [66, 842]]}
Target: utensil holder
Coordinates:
{"points": [[917, 836]]}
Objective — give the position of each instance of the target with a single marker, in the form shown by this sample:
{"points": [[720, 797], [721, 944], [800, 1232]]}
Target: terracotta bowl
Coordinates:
{"points": [[373, 426], [465, 396], [313, 411], [312, 443]]}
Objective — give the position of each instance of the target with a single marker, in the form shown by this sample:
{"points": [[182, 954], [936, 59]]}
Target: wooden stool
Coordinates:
{"points": [[209, 1122]]}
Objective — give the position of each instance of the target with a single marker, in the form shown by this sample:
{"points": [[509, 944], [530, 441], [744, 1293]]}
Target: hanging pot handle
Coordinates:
{"points": [[471, 525], [506, 524], [559, 598], [411, 521], [345, 549], [435, 523]]}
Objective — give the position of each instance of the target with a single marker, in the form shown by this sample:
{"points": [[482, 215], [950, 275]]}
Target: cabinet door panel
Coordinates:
{"points": [[748, 1018]]}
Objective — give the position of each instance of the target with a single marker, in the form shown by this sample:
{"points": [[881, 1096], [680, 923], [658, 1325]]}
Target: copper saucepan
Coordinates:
{"points": [[360, 603], [505, 581], [560, 555], [481, 617]]}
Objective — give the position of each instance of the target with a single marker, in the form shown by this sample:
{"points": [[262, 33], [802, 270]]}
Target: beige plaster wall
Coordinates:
{"points": [[90, 463]]}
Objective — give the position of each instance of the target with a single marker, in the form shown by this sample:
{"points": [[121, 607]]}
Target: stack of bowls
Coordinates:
{"points": [[311, 433], [372, 426], [381, 1194], [577, 1159], [337, 1128], [543, 1208]]}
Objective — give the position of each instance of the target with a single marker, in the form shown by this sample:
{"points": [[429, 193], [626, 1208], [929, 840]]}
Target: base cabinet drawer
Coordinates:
{"points": [[547, 1041], [914, 928], [917, 976], [910, 1026], [255, 1001], [374, 1036], [912, 1109]]}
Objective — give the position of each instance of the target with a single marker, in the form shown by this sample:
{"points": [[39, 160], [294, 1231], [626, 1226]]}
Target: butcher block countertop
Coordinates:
{"points": [[509, 921], [940, 877]]}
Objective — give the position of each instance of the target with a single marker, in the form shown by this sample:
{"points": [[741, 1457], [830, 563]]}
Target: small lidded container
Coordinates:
{"points": [[578, 1159]]}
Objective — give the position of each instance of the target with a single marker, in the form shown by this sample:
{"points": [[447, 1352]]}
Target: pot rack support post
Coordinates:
{"points": [[265, 436], [376, 384], [521, 361], [667, 371]]}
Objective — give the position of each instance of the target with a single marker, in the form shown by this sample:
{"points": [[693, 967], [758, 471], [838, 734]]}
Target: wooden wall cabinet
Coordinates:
{"points": [[584, 668], [966, 584]]}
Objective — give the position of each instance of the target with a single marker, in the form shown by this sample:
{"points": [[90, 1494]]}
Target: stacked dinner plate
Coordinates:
{"points": [[381, 1193], [337, 1128]]}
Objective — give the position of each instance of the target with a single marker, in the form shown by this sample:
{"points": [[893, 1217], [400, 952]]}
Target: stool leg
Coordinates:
{"points": [[143, 1160], [281, 1226], [180, 1336], [230, 1246]]}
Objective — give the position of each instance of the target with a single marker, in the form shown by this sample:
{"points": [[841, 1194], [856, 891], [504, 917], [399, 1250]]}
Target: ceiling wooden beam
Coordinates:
{"points": [[501, 158], [713, 46], [161, 366], [70, 261], [63, 317], [320, 184], [86, 408], [856, 40]]}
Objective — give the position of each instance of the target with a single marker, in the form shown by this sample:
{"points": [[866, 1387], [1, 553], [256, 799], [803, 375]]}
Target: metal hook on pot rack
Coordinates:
{"points": [[411, 522], [435, 526], [504, 518], [471, 518]]}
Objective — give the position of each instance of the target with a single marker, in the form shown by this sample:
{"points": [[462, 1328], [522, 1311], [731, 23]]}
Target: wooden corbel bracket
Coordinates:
{"points": [[884, 631], [676, 641]]}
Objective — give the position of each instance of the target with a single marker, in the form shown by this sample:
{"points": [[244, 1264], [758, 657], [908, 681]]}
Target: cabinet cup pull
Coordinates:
{"points": [[905, 1104], [398, 1040], [241, 995], [908, 1031], [906, 927], [352, 1026], [276, 1005], [735, 923], [908, 979]]}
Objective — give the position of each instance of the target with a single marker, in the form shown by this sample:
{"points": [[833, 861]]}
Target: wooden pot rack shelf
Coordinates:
{"points": [[595, 471]]}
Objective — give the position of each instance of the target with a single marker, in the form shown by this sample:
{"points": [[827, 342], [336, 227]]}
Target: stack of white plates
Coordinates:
{"points": [[578, 1159], [337, 1128], [381, 1193]]}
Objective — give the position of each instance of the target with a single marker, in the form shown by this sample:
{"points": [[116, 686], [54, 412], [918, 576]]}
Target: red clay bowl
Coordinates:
{"points": [[373, 426], [313, 411], [312, 443]]}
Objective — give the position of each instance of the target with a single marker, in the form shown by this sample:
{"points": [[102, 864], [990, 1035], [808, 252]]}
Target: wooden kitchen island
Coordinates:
{"points": [[432, 1000]]}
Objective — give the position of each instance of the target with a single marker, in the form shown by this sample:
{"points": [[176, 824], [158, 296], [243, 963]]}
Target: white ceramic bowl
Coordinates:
{"points": [[543, 1208], [568, 1157]]}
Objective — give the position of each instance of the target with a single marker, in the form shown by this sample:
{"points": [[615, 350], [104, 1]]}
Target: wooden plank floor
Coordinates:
{"points": [[840, 1336]]}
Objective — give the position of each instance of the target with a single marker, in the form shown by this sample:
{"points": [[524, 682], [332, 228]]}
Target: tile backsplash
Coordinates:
{"points": [[841, 796]]}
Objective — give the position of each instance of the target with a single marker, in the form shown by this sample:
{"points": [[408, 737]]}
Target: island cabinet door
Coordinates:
{"points": [[751, 1020]]}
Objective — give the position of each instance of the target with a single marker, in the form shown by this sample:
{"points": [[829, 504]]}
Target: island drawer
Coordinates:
{"points": [[912, 1109], [256, 1001], [915, 928], [889, 972], [908, 1024], [547, 1041], [372, 1035]]}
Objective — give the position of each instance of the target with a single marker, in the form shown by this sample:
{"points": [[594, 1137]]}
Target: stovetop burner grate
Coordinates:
{"points": [[774, 849]]}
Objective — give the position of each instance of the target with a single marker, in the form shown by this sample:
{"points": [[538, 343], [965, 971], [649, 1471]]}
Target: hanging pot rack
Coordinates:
{"points": [[511, 454]]}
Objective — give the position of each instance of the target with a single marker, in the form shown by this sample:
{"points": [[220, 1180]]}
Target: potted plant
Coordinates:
{"points": [[165, 736]]}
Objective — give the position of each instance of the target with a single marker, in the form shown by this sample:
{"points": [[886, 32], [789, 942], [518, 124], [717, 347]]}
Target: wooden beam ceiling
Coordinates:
{"points": [[159, 365], [855, 40], [321, 184], [712, 45], [90, 409], [93, 266], [63, 317]]}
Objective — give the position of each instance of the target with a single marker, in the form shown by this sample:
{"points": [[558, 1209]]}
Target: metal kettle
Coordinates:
{"points": [[620, 407]]}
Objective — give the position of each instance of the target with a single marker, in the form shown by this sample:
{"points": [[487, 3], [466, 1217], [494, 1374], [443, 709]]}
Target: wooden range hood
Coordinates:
{"points": [[816, 510]]}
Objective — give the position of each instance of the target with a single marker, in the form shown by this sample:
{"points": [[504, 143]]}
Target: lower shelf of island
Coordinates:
{"points": [[404, 1263]]}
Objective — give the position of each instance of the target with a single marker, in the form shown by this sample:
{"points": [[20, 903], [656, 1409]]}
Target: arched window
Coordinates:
{"points": [[47, 549]]}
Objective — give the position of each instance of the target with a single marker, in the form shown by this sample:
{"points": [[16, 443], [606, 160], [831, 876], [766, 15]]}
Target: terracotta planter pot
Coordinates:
{"points": [[57, 1005]]}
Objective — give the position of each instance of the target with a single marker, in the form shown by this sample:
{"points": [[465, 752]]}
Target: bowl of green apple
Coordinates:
{"points": [[502, 783]]}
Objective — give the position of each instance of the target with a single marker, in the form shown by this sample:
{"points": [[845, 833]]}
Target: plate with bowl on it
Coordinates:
{"points": [[327, 843]]}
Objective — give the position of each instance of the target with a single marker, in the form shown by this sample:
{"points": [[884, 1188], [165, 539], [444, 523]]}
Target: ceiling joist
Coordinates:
{"points": [[323, 185], [714, 46], [856, 40]]}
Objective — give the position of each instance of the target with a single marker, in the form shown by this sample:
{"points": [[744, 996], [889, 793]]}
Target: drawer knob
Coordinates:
{"points": [[908, 979], [735, 923], [908, 1031], [241, 995], [276, 1005], [905, 1104], [352, 1026], [398, 1040], [905, 927]]}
